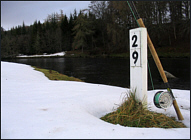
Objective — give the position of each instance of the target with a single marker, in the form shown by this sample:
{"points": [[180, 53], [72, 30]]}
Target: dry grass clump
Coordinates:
{"points": [[54, 75], [133, 114]]}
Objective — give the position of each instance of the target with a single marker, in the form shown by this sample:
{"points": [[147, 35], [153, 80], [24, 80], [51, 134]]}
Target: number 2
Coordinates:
{"points": [[134, 43]]}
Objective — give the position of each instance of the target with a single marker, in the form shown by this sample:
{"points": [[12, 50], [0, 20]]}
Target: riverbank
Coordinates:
{"points": [[180, 50], [73, 54], [54, 75], [163, 52]]}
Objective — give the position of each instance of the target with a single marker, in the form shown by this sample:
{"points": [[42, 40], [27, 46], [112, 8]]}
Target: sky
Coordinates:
{"points": [[13, 13]]}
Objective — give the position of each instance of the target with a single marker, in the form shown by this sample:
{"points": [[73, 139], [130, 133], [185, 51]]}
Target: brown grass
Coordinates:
{"points": [[133, 114], [54, 75]]}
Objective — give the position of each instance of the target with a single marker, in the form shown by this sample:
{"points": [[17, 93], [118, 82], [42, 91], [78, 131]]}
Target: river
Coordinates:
{"points": [[114, 71]]}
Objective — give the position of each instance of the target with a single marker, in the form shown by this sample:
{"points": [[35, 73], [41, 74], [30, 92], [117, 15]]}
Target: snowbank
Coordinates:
{"points": [[34, 107], [44, 55]]}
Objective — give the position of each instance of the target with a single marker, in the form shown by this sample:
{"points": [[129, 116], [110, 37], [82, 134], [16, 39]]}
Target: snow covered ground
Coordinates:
{"points": [[34, 107], [44, 55]]}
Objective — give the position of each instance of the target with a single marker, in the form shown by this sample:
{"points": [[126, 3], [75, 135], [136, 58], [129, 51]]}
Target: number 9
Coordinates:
{"points": [[135, 56]]}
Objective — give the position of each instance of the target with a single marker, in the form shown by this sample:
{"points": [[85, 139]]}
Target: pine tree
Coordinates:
{"points": [[23, 29], [64, 33], [81, 31]]}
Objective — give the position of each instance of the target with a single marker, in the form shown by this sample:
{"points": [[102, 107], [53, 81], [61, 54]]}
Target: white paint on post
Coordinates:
{"points": [[138, 63]]}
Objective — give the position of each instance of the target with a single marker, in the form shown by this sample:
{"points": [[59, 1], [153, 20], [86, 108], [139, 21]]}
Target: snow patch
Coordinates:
{"points": [[44, 55]]}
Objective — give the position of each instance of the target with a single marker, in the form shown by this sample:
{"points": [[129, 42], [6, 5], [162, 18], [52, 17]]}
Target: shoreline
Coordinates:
{"points": [[84, 55]]}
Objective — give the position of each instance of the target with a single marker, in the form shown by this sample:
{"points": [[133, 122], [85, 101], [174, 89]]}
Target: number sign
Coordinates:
{"points": [[135, 50], [138, 63]]}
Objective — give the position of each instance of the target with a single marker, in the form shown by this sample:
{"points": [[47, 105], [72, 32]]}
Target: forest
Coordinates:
{"points": [[102, 28]]}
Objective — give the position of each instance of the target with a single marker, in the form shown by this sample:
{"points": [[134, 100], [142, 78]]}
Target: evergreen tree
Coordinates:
{"points": [[23, 29], [81, 31], [64, 33]]}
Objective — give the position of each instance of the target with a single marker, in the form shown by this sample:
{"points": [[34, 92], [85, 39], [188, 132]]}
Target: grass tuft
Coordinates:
{"points": [[54, 75], [133, 114]]}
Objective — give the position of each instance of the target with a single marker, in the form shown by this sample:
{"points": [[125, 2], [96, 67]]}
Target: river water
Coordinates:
{"points": [[114, 71]]}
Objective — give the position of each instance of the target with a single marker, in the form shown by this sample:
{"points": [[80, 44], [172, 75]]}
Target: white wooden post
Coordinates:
{"points": [[138, 63]]}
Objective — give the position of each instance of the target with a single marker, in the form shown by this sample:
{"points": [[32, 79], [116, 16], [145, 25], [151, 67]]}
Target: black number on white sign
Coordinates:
{"points": [[135, 56], [134, 37]]}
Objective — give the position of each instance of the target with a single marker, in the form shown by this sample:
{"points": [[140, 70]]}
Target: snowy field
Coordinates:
{"points": [[34, 107]]}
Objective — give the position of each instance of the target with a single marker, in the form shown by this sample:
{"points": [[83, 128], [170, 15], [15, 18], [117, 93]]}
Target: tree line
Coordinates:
{"points": [[101, 28]]}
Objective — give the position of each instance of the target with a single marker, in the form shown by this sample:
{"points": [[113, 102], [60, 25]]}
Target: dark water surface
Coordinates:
{"points": [[114, 71]]}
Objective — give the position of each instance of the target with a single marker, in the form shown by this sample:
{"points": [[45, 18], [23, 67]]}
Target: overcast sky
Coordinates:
{"points": [[13, 13]]}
